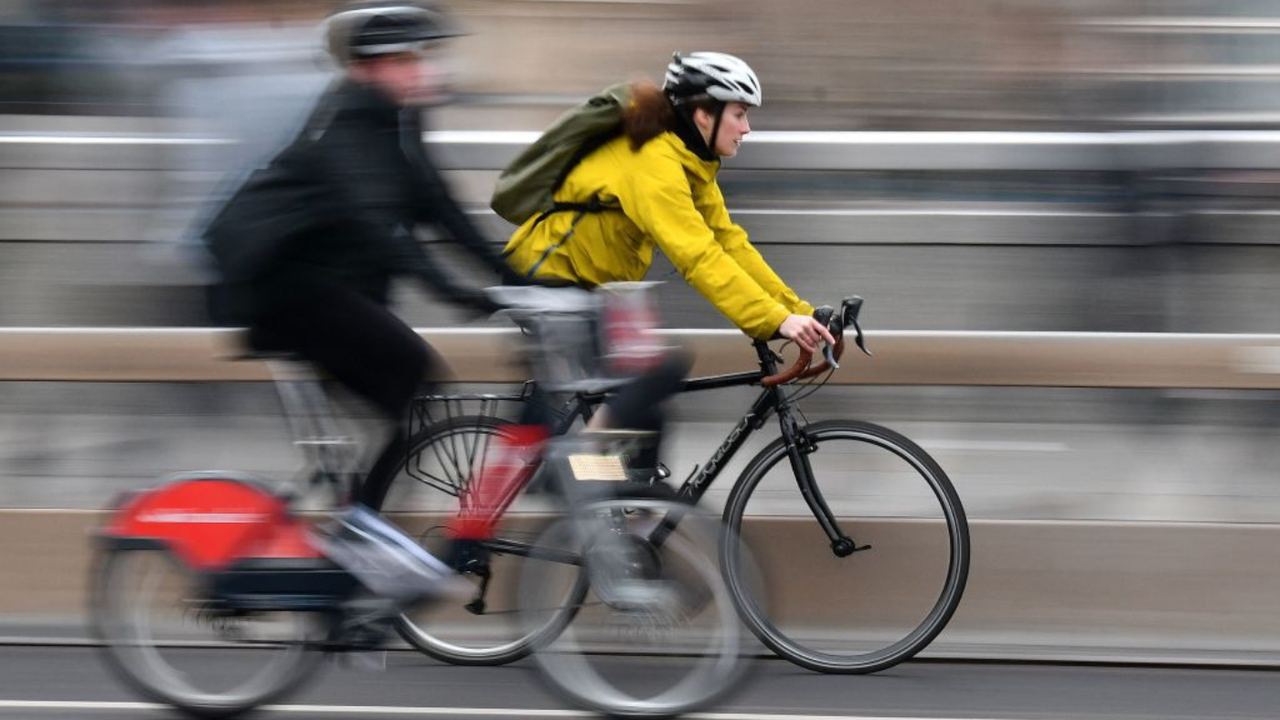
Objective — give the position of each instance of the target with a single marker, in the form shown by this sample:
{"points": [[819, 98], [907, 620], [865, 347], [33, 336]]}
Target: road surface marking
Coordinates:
{"points": [[441, 711]]}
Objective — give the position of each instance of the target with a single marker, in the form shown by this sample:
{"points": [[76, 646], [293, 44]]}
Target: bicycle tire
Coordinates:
{"points": [[658, 635], [890, 517], [420, 498], [197, 647]]}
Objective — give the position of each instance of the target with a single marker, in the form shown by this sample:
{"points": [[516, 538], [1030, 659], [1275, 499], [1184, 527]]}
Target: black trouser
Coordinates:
{"points": [[357, 341], [638, 405]]}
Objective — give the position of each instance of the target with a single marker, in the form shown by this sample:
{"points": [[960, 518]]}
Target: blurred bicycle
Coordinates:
{"points": [[212, 595], [621, 594]]}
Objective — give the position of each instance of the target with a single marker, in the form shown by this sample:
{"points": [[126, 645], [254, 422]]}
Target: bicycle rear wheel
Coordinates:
{"points": [[870, 609], [164, 637], [422, 498], [657, 635]]}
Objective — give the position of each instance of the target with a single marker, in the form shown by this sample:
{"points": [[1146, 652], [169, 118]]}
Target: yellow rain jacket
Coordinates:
{"points": [[660, 195]]}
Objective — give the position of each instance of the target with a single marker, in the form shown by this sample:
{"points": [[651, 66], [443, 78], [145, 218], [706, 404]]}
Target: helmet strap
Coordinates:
{"points": [[687, 130], [715, 128]]}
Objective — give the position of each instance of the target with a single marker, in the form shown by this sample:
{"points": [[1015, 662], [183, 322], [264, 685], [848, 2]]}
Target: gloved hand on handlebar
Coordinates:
{"points": [[805, 332]]}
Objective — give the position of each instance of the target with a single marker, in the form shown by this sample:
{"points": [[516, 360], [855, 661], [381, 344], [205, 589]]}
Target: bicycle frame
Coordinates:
{"points": [[771, 399]]}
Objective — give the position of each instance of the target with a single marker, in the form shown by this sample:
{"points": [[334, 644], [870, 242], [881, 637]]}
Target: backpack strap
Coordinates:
{"points": [[592, 206]]}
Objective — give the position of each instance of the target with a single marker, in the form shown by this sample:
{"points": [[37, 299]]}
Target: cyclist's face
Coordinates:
{"points": [[411, 79], [734, 126]]}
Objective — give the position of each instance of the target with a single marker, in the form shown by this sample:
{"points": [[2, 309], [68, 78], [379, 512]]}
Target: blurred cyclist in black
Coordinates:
{"points": [[308, 246]]}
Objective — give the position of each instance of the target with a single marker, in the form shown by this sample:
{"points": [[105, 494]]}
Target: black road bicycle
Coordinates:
{"points": [[859, 539]]}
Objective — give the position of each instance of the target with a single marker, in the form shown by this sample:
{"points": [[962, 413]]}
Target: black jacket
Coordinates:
{"points": [[342, 200]]}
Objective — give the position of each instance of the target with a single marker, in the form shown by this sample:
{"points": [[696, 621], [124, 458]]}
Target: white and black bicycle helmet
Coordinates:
{"points": [[718, 76], [369, 29]]}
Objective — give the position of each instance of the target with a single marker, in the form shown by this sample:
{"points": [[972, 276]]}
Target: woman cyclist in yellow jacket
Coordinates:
{"points": [[655, 186]]}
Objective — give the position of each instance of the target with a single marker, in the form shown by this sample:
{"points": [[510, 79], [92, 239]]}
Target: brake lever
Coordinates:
{"points": [[850, 307], [830, 355], [836, 328], [826, 315], [860, 340]]}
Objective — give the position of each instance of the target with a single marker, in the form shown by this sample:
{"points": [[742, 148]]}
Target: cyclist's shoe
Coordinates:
{"points": [[627, 575], [370, 620], [387, 561], [641, 596], [370, 633]]}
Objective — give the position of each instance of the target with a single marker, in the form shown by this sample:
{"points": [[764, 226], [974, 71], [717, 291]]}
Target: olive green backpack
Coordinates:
{"points": [[527, 186]]}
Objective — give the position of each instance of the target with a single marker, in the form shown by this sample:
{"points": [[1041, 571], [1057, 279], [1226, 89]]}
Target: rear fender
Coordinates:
{"points": [[208, 521]]}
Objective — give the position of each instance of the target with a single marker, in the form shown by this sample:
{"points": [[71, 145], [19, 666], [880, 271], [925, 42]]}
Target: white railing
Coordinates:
{"points": [[782, 150], [1046, 359]]}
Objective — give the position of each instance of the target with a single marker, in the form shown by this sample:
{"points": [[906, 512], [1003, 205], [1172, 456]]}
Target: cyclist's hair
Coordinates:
{"points": [[651, 113], [648, 115]]}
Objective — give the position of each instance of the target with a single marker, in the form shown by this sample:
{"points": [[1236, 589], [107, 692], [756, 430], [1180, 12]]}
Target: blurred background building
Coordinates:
{"points": [[245, 72], [874, 64], [195, 91]]}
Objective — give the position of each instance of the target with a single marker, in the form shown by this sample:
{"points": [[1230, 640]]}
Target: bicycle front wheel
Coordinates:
{"points": [[424, 496], [657, 635], [835, 611], [164, 636]]}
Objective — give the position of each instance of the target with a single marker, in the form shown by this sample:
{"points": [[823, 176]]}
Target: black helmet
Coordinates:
{"points": [[370, 29]]}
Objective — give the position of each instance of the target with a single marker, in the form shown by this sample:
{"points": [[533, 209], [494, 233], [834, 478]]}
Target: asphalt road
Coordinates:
{"points": [[71, 682]]}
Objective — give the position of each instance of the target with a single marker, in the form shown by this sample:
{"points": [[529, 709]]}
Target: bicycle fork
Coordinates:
{"points": [[799, 447]]}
